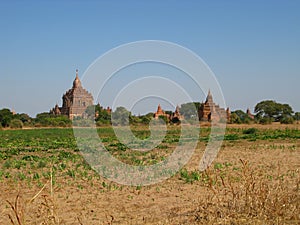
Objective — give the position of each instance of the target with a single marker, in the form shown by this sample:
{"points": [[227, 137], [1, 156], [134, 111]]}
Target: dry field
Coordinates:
{"points": [[255, 179]]}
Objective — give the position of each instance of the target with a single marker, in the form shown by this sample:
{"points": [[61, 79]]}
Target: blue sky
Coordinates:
{"points": [[253, 47]]}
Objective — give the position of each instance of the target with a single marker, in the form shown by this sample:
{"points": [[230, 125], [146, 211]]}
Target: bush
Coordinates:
{"points": [[265, 120], [16, 123], [250, 131], [234, 118], [62, 124], [103, 123], [287, 120]]}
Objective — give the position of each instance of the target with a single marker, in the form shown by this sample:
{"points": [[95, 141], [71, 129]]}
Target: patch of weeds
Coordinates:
{"points": [[46, 175], [21, 176], [189, 177], [7, 164], [104, 184], [7, 175], [83, 173], [162, 147], [218, 166], [1, 174], [227, 164], [236, 168], [36, 176], [231, 137], [62, 166], [130, 197], [139, 187], [119, 146], [65, 155], [30, 158], [71, 173], [19, 163], [3, 156], [41, 164], [250, 131]]}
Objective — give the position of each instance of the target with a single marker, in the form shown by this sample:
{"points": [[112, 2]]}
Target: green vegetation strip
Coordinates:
{"points": [[29, 154]]}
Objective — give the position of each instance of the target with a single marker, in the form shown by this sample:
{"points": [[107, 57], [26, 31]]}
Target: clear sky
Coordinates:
{"points": [[253, 47]]}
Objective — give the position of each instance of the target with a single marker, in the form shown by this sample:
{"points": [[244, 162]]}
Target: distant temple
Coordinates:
{"points": [[175, 116], [75, 101], [159, 112], [251, 116], [209, 111]]}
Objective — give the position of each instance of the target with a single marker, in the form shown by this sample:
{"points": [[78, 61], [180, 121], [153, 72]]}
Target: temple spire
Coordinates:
{"points": [[76, 82], [209, 97], [209, 93]]}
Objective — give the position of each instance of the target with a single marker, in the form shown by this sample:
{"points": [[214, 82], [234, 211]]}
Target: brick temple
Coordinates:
{"points": [[159, 112], [75, 101], [175, 116], [209, 111]]}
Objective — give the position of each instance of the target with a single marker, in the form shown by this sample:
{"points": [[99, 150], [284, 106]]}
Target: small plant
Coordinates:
{"points": [[189, 177], [36, 176], [250, 131], [71, 173], [41, 164], [218, 166]]}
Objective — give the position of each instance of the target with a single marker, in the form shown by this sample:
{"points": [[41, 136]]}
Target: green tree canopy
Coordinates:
{"points": [[5, 117], [273, 111], [240, 116], [90, 111], [120, 116], [47, 119], [190, 110], [297, 116], [25, 118]]}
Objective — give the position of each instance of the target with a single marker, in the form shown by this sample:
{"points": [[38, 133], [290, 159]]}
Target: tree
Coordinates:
{"points": [[270, 110], [90, 111], [242, 117], [5, 117], [163, 118], [190, 110], [297, 116], [121, 116], [234, 118], [103, 116], [145, 119], [47, 119], [25, 118]]}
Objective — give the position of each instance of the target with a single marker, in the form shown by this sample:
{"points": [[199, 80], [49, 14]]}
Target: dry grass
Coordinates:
{"points": [[243, 198], [48, 213]]}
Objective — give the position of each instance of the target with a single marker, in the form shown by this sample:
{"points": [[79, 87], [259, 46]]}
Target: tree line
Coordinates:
{"points": [[265, 112]]}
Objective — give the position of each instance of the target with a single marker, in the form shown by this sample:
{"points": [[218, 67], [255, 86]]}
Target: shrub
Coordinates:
{"points": [[287, 120], [16, 123], [265, 120], [250, 131]]}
